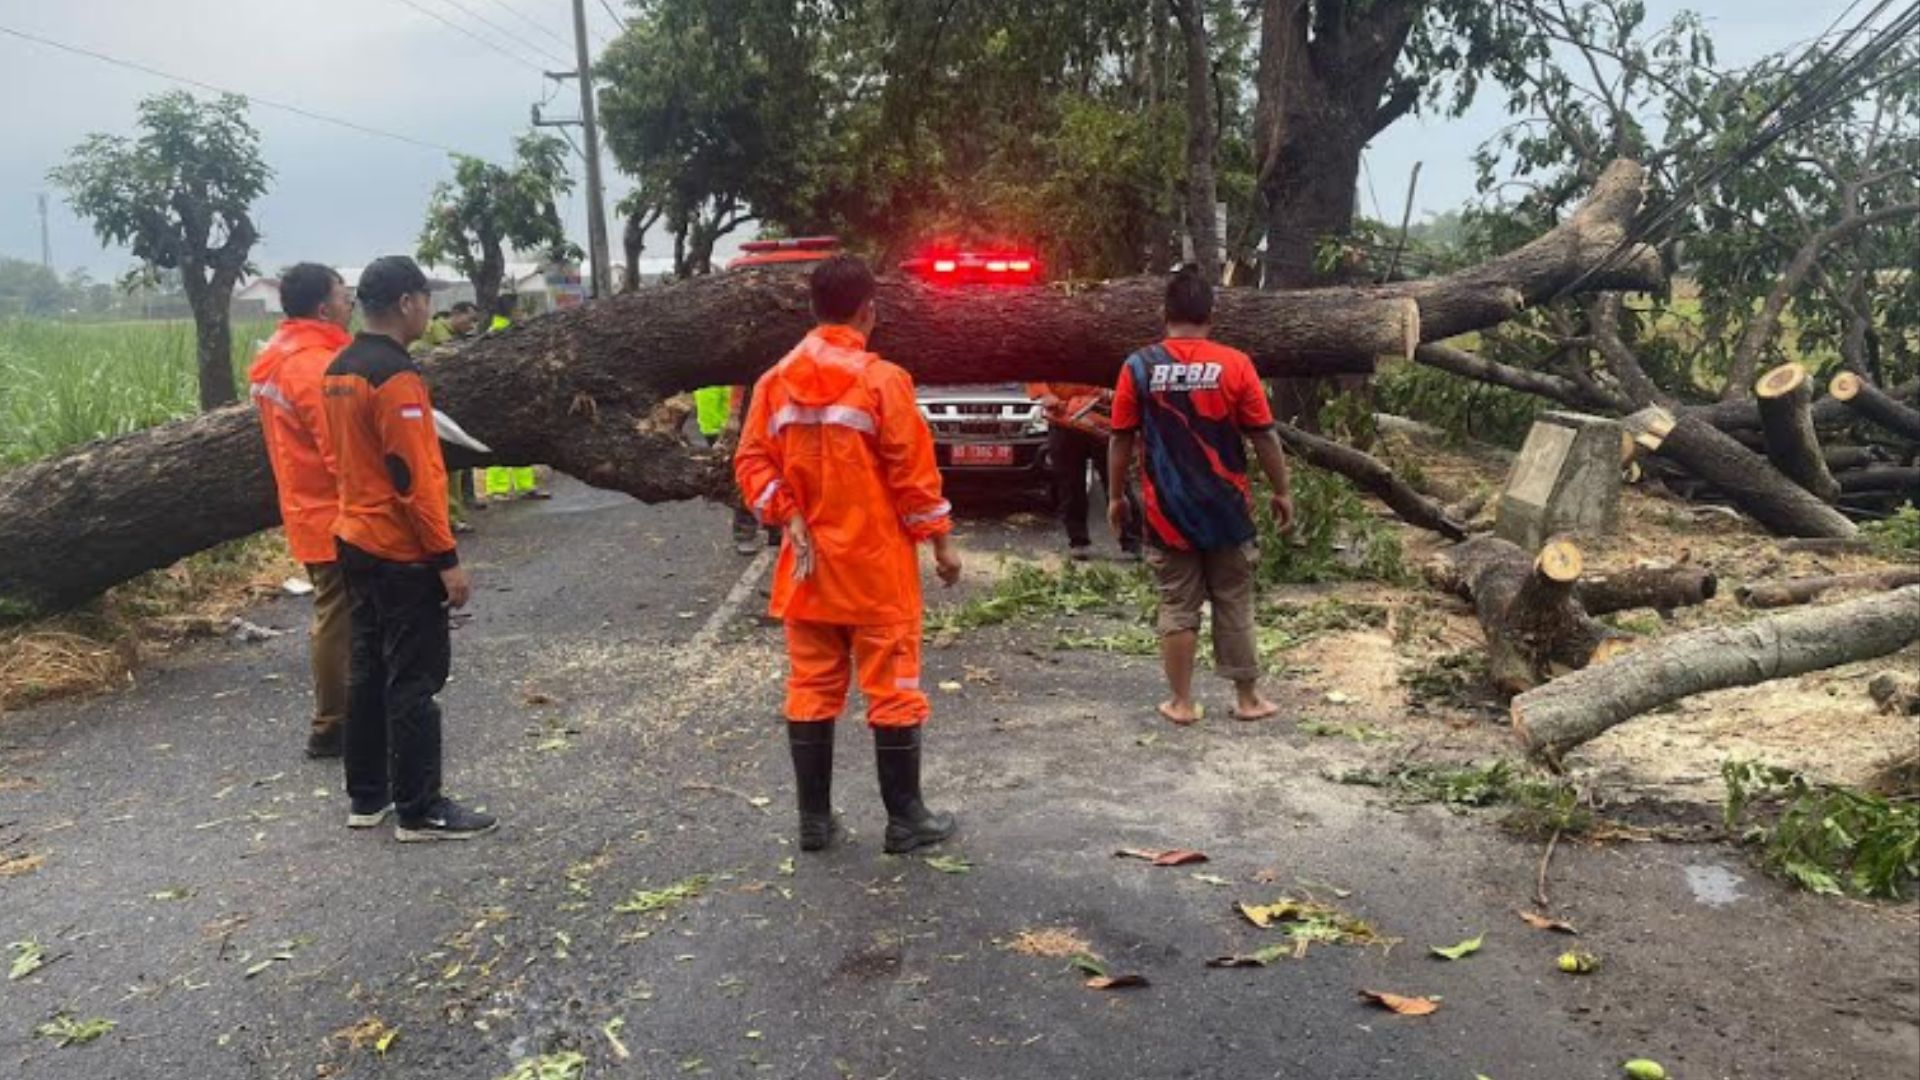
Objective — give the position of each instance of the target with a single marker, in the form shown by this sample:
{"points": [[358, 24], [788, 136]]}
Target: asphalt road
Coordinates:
{"points": [[199, 888]]}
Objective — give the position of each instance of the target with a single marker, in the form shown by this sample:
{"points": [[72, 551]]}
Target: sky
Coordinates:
{"points": [[342, 196]]}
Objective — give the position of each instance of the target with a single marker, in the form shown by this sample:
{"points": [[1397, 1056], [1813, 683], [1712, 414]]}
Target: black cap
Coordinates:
{"points": [[387, 279]]}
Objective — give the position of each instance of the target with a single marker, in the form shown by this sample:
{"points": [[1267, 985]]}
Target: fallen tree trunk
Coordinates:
{"points": [[1894, 479], [1526, 605], [1662, 589], [1759, 490], [1827, 546], [1785, 399], [1373, 477], [1875, 405], [1553, 719], [1778, 594], [578, 389], [1842, 458]]}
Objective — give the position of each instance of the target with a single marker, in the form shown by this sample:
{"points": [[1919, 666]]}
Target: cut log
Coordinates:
{"points": [[1785, 399], [1876, 405], [1553, 719], [1903, 480], [1662, 589], [1777, 594], [1842, 458], [1534, 626], [1373, 477], [577, 389], [1742, 414], [1749, 482]]}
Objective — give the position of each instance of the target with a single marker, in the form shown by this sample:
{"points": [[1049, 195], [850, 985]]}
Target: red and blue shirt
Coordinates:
{"points": [[1192, 400]]}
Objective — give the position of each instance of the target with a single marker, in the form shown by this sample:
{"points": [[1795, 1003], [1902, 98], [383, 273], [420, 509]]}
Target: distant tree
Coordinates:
{"points": [[180, 195], [488, 210], [27, 288]]}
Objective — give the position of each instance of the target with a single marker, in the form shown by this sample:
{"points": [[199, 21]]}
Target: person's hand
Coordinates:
{"points": [[1281, 503], [1050, 402], [802, 540], [1117, 513], [946, 560], [459, 589]]}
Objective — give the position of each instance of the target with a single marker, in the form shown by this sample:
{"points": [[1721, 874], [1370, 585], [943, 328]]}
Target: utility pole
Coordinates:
{"points": [[596, 198], [46, 243]]}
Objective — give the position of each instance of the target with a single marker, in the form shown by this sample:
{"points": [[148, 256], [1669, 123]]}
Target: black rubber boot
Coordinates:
{"points": [[909, 823], [812, 747]]}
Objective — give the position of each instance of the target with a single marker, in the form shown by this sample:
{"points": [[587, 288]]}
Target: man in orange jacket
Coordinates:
{"points": [[835, 450], [397, 552], [285, 384]]}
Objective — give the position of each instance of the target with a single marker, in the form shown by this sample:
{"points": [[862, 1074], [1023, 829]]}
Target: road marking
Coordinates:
{"points": [[700, 646]]}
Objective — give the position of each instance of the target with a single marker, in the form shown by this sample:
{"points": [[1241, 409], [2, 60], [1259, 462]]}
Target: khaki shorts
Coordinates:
{"points": [[1224, 578]]}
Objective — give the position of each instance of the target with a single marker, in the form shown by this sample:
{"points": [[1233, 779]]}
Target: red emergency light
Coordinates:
{"points": [[975, 267]]}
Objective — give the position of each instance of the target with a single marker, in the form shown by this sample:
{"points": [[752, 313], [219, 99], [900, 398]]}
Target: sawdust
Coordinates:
{"points": [[1052, 941], [1823, 723]]}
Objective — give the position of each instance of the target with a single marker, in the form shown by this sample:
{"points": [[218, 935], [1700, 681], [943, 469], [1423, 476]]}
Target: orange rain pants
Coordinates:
{"points": [[822, 658]]}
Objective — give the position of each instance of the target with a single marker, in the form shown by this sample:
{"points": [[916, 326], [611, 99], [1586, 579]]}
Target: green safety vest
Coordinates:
{"points": [[712, 404]]}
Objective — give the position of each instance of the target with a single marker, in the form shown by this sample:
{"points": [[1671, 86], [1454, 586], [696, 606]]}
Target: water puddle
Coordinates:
{"points": [[1714, 886]]}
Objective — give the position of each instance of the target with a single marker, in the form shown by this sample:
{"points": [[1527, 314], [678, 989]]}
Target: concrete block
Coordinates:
{"points": [[1566, 480]]}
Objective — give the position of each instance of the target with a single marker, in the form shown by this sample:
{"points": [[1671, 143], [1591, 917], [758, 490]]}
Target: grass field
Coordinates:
{"points": [[62, 384]]}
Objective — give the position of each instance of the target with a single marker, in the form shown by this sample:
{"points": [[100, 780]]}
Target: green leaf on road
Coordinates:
{"points": [[1088, 964], [949, 864], [1643, 1069], [648, 901], [28, 957], [178, 892], [65, 1031], [1465, 948], [566, 1065]]}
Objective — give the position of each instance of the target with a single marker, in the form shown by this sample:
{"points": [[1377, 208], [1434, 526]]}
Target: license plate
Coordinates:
{"points": [[982, 454]]}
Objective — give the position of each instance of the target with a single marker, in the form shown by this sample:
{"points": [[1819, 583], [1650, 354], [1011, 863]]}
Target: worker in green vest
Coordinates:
{"points": [[509, 481]]}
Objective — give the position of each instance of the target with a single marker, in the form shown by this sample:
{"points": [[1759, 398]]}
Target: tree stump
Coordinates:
{"points": [[1785, 399]]}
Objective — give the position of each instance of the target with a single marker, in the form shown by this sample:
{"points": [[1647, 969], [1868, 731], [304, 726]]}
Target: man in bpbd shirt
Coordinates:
{"points": [[1192, 405], [402, 569]]}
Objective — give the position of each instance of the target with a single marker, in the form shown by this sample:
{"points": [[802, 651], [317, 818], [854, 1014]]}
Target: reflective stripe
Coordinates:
{"points": [[271, 391], [816, 416], [766, 496], [939, 511], [907, 682]]}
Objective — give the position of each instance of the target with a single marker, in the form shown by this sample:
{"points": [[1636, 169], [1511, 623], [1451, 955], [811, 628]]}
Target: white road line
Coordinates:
{"points": [[695, 652]]}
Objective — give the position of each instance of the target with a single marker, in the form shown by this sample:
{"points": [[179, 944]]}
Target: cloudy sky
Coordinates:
{"points": [[343, 196]]}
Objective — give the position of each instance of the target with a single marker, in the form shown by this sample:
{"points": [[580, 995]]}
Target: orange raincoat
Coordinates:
{"points": [[285, 382], [833, 434]]}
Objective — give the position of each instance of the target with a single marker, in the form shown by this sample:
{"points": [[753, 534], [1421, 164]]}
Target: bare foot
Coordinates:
{"points": [[1180, 713], [1258, 708]]}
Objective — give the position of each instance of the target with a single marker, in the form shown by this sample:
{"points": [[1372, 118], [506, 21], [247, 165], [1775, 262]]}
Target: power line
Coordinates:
{"points": [[309, 114], [488, 42], [614, 15], [1812, 93], [501, 30], [530, 21]]}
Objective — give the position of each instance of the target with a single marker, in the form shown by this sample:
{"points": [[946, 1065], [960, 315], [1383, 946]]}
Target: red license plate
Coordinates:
{"points": [[977, 454]]}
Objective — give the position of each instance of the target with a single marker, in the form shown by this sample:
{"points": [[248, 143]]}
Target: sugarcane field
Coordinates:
{"points": [[960, 540]]}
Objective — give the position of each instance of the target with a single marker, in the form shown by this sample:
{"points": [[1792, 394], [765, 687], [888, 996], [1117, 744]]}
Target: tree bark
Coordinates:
{"points": [[1828, 412], [1662, 589], [1875, 405], [1776, 594], [577, 389], [1203, 227], [213, 340], [1534, 625], [1555, 718], [1785, 397], [1374, 477]]}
